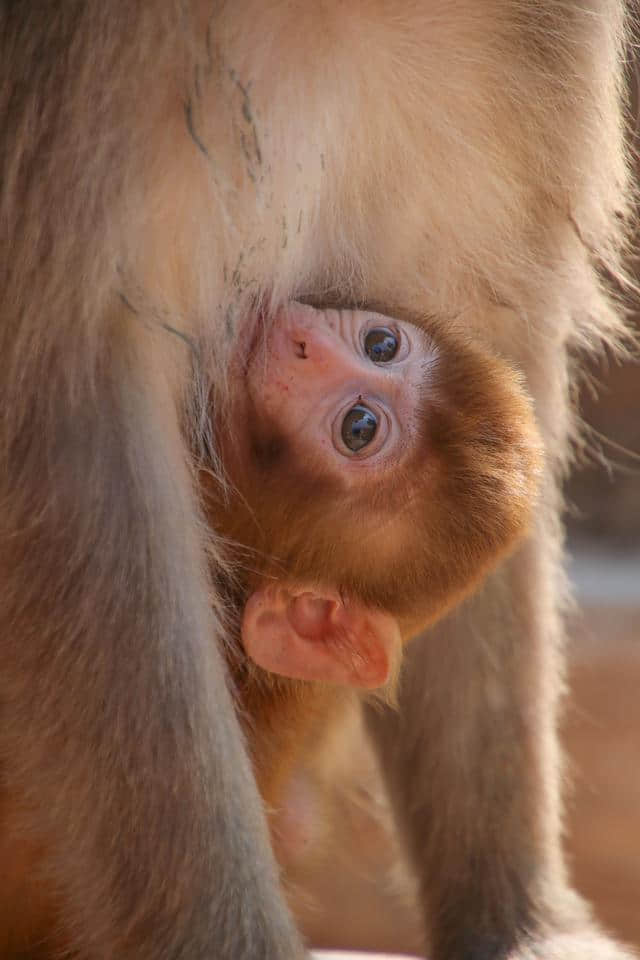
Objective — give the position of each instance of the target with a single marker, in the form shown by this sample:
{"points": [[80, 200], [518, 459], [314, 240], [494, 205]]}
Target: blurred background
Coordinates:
{"points": [[602, 719]]}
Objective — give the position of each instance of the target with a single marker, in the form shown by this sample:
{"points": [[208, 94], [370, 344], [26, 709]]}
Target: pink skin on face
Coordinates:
{"points": [[312, 368]]}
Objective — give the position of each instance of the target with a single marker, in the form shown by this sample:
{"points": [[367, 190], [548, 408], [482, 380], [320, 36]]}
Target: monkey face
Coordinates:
{"points": [[340, 388], [386, 461]]}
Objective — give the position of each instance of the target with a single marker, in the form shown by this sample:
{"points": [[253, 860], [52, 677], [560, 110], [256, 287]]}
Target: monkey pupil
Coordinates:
{"points": [[381, 345], [358, 428]]}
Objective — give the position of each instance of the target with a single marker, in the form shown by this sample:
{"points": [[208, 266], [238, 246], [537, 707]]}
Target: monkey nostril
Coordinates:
{"points": [[301, 349]]}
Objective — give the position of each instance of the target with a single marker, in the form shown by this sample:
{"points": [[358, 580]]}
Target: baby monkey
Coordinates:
{"points": [[377, 470]]}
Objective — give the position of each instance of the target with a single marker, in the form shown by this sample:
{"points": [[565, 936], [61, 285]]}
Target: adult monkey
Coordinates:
{"points": [[170, 171]]}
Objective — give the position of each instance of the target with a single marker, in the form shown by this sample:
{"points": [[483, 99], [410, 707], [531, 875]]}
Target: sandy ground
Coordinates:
{"points": [[355, 895]]}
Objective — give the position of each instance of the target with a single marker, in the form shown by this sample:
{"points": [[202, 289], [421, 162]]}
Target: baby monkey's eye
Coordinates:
{"points": [[358, 428], [381, 344]]}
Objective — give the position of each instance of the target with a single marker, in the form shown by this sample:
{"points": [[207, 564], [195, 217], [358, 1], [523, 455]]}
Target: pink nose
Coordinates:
{"points": [[314, 337], [316, 347], [308, 336], [301, 349]]}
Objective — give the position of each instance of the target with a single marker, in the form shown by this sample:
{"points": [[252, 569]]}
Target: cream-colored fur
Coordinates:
{"points": [[170, 170]]}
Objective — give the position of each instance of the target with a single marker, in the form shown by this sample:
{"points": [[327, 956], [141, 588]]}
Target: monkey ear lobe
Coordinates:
{"points": [[313, 635]]}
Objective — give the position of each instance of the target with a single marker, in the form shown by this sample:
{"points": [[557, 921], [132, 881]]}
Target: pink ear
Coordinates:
{"points": [[313, 635]]}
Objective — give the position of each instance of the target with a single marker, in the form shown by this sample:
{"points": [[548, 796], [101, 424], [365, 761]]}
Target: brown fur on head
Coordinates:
{"points": [[412, 542]]}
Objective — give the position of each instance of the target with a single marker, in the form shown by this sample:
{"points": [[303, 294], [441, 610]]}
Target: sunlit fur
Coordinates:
{"points": [[169, 170]]}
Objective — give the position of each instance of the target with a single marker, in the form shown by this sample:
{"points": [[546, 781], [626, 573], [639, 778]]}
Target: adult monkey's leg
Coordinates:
{"points": [[118, 740]]}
